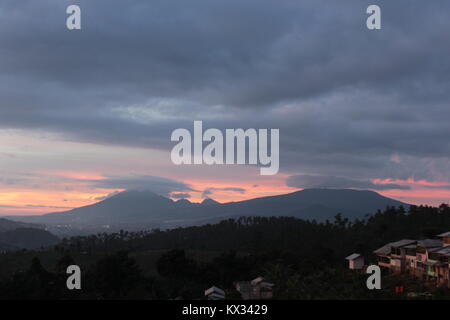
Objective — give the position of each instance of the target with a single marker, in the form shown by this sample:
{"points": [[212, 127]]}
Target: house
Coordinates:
{"points": [[442, 266], [215, 293], [355, 261], [256, 289], [262, 289], [399, 252], [424, 247], [245, 289], [410, 257], [383, 256], [445, 238], [436, 268], [393, 255], [426, 259]]}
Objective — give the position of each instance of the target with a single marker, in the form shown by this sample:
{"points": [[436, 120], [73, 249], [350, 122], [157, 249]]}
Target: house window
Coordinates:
{"points": [[384, 260]]}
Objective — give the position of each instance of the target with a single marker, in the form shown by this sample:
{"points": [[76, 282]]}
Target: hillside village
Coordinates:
{"points": [[427, 260]]}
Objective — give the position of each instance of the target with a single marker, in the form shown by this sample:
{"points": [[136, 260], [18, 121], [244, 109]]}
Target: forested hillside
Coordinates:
{"points": [[304, 259]]}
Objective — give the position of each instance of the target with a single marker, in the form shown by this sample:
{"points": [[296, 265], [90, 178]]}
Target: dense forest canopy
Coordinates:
{"points": [[255, 234], [305, 259]]}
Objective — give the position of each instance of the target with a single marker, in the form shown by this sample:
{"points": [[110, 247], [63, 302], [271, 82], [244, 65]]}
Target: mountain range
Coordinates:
{"points": [[139, 209]]}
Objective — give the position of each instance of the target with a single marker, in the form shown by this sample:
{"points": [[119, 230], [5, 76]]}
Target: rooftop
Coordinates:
{"points": [[430, 243], [257, 280], [444, 251], [214, 290], [384, 249], [353, 256], [445, 234], [402, 243]]}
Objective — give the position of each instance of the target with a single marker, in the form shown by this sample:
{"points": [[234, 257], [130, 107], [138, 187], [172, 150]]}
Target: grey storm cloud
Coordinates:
{"points": [[159, 185], [345, 98], [310, 181], [109, 195], [180, 195], [209, 191]]}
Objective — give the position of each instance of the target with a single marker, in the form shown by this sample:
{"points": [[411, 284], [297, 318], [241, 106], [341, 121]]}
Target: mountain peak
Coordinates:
{"points": [[209, 202], [183, 203]]}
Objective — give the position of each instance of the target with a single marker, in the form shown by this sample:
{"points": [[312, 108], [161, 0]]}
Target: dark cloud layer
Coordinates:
{"points": [[210, 191], [109, 195], [346, 99], [159, 185], [180, 195]]}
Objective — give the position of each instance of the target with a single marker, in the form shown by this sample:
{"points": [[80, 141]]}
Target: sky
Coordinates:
{"points": [[85, 114]]}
